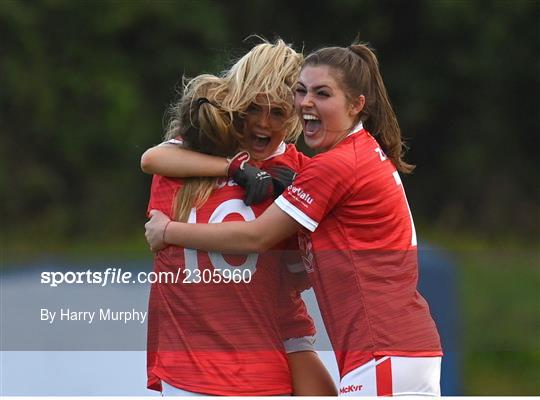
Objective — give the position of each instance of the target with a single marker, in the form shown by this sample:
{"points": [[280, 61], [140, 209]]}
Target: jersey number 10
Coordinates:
{"points": [[233, 206]]}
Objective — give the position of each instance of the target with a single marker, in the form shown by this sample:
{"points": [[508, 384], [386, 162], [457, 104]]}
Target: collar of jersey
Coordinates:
{"points": [[356, 129], [279, 151]]}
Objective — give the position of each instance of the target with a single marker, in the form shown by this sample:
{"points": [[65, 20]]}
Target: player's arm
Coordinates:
{"points": [[309, 375], [174, 161], [256, 236]]}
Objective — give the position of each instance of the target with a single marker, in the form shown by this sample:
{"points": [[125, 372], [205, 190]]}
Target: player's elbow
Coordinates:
{"points": [[264, 245], [147, 162], [260, 246], [255, 246]]}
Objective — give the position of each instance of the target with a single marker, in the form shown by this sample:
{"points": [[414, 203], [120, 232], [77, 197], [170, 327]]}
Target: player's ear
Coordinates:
{"points": [[357, 105]]}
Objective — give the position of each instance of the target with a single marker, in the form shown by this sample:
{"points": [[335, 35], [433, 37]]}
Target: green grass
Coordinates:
{"points": [[17, 251], [499, 292]]}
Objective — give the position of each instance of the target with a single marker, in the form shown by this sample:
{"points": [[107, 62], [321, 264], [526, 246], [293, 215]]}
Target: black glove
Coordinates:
{"points": [[282, 178], [257, 183]]}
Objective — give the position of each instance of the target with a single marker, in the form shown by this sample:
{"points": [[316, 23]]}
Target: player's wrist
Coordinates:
{"points": [[224, 167], [164, 235]]}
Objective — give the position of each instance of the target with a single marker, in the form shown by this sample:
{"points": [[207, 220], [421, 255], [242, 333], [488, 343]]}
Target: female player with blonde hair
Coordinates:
{"points": [[260, 91], [254, 98]]}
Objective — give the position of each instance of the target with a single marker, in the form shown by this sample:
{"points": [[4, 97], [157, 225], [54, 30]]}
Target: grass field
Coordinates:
{"points": [[500, 293]]}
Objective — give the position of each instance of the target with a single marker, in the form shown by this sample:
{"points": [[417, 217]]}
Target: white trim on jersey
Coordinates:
{"points": [[172, 141], [296, 214], [359, 126], [304, 343], [279, 151]]}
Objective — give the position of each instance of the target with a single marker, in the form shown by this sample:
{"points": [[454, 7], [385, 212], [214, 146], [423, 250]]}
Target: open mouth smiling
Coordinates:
{"points": [[311, 123]]}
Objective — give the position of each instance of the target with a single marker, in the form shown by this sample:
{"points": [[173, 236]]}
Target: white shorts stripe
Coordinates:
{"points": [[417, 376]]}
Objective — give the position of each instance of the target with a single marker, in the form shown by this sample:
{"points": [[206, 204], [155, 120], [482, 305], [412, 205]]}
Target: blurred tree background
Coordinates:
{"points": [[84, 86]]}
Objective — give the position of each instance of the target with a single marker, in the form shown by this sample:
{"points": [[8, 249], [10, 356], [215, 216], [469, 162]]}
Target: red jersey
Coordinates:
{"points": [[215, 337], [360, 253]]}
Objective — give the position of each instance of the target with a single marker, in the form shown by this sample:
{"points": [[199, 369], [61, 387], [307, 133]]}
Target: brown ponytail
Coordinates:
{"points": [[358, 74], [204, 127]]}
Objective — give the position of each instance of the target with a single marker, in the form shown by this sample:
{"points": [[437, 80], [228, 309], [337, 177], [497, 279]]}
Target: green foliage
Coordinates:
{"points": [[501, 312], [84, 87]]}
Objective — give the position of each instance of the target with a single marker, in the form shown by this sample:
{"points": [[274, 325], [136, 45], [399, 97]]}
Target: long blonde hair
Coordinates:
{"points": [[268, 69], [358, 74]]}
